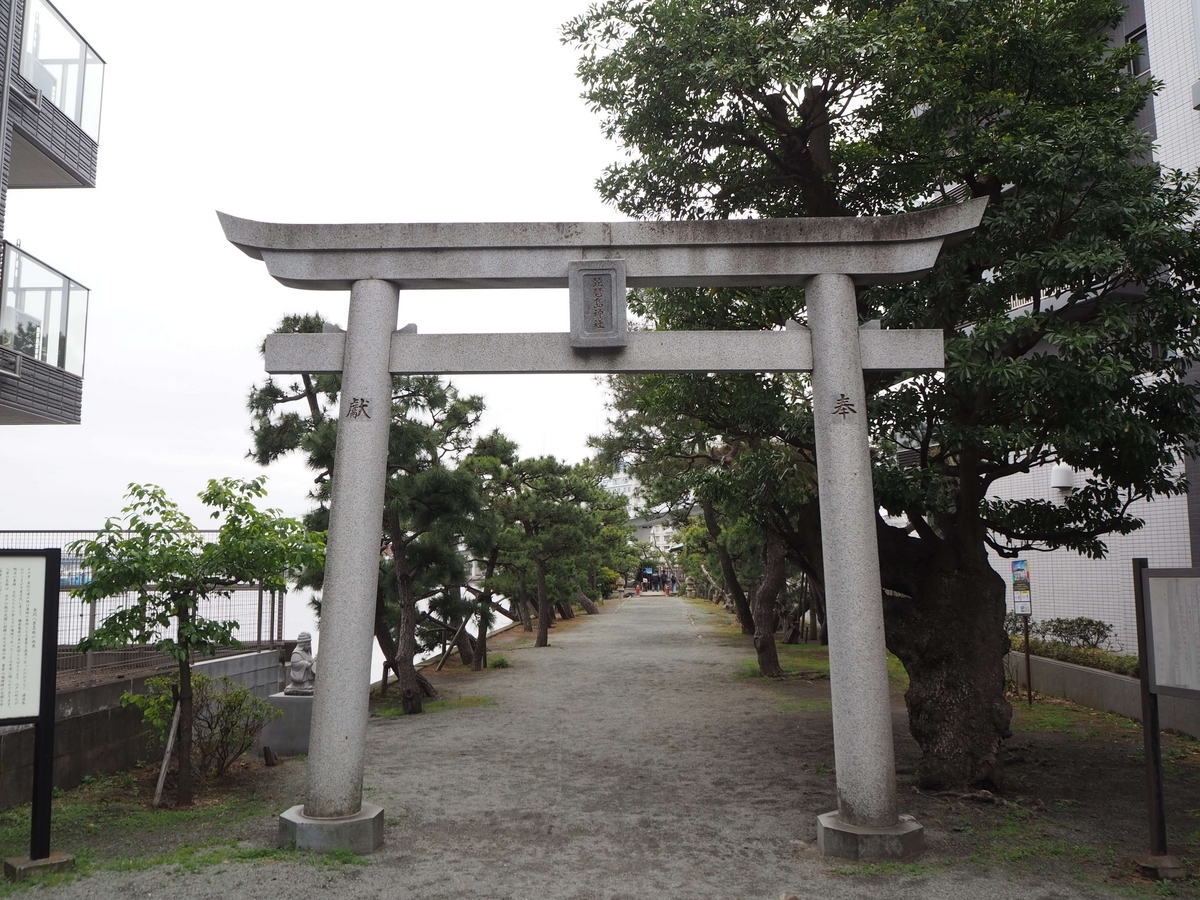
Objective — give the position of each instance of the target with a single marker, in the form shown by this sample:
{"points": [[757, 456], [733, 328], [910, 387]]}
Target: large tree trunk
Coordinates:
{"points": [[949, 635], [732, 585], [766, 615], [543, 632], [952, 644], [564, 608], [406, 674]]}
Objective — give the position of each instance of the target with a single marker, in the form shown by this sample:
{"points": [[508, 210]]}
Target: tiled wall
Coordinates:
{"points": [[1065, 585], [1171, 41]]}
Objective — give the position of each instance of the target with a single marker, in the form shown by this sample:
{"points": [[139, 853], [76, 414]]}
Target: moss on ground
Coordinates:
{"points": [[389, 707]]}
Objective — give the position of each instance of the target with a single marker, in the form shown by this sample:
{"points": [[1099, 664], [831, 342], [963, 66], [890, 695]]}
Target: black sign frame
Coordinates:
{"points": [[43, 722], [1147, 575]]}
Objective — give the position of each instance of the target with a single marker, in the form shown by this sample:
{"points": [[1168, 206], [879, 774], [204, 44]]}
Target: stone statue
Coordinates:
{"points": [[302, 671]]}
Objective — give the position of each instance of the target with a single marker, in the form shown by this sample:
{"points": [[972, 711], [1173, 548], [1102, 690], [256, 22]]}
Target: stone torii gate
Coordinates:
{"points": [[596, 261]]}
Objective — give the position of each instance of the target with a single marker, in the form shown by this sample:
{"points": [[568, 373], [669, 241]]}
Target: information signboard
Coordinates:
{"points": [[29, 585], [22, 632], [1022, 599], [1172, 610]]}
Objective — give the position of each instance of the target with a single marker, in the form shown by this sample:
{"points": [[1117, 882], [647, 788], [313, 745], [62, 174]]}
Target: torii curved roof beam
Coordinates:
{"points": [[720, 253]]}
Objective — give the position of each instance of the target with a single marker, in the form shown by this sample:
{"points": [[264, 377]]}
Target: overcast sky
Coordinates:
{"points": [[290, 111]]}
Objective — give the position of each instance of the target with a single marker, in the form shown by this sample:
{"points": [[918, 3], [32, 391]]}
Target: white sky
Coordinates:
{"points": [[384, 111]]}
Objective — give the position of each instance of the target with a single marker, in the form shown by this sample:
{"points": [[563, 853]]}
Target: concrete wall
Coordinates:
{"points": [[1104, 691], [261, 671], [94, 735]]}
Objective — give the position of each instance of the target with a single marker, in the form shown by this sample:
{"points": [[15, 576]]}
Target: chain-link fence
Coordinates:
{"points": [[258, 612]]}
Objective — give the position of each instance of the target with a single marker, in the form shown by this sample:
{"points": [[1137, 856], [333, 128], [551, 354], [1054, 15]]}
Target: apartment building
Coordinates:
{"points": [[1063, 583], [50, 125]]}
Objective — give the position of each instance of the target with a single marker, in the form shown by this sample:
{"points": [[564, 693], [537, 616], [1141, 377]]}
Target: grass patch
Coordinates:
{"points": [[390, 709], [1063, 717], [873, 870], [499, 662], [795, 660], [107, 825], [795, 705], [110, 806], [809, 661]]}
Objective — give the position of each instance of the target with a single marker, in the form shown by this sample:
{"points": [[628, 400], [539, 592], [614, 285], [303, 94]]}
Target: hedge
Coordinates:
{"points": [[1091, 657]]}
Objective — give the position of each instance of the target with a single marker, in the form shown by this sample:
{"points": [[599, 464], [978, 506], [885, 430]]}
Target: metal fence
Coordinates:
{"points": [[258, 612]]}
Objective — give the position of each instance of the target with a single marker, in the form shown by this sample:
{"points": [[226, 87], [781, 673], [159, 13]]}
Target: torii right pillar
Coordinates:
{"points": [[866, 824]]}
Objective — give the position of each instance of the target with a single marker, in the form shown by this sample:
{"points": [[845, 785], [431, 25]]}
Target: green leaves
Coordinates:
{"points": [[156, 552], [1070, 317]]}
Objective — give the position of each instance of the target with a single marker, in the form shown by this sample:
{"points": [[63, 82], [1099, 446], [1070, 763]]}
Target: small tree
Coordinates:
{"points": [[156, 552]]}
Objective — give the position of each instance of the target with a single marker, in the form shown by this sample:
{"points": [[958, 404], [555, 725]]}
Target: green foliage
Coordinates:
{"points": [[1092, 657], [158, 703], [1077, 632], [560, 526], [155, 552], [1071, 317], [227, 717], [795, 108], [500, 662]]}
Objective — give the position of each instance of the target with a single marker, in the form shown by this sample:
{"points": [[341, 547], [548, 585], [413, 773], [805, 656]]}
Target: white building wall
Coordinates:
{"points": [[1171, 36], [1064, 584]]}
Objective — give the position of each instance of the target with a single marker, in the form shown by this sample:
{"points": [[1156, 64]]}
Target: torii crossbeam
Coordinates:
{"points": [[596, 261]]}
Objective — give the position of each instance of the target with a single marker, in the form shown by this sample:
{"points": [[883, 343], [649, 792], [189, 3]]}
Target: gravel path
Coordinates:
{"points": [[624, 761]]}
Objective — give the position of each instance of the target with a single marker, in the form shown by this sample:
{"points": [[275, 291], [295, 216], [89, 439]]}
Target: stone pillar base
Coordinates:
{"points": [[361, 833], [18, 868], [837, 838], [1162, 867]]}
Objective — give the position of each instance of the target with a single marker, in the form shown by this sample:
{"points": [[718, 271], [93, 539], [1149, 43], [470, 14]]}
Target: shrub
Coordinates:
{"points": [[227, 717], [1092, 657], [500, 662], [1078, 632]]}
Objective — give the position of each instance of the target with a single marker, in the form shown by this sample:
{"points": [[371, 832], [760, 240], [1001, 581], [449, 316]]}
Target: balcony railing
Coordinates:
{"points": [[43, 313], [61, 64]]}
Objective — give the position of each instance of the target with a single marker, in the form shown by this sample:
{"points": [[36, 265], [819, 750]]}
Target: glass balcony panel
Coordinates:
{"points": [[76, 338], [59, 63], [43, 313], [93, 82]]}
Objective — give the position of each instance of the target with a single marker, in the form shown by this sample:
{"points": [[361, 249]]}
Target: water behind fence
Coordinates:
{"points": [[258, 612]]}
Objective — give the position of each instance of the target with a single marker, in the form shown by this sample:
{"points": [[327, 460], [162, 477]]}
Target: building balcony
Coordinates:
{"points": [[54, 103], [43, 331]]}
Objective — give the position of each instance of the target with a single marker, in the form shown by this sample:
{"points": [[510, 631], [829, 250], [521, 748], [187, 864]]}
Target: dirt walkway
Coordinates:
{"points": [[627, 760]]}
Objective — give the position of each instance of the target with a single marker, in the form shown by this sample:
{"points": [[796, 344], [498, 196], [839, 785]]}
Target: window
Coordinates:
{"points": [[1140, 64]]}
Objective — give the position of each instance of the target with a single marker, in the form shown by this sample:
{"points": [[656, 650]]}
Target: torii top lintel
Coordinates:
{"points": [[718, 253]]}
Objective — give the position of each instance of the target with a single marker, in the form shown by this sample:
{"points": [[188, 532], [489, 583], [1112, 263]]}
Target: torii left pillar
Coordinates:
{"points": [[334, 816]]}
